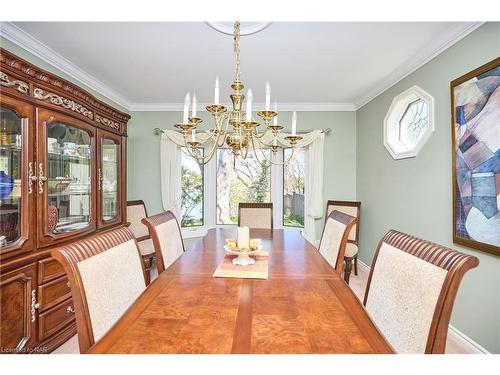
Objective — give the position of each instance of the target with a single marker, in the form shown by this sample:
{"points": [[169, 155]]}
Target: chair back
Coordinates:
{"points": [[411, 291], [255, 215], [106, 276], [136, 211], [351, 208], [167, 239], [334, 238]]}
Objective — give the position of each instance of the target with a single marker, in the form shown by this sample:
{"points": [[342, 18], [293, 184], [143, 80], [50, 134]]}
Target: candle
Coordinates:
{"points": [[249, 106], [216, 99], [193, 114], [268, 96], [275, 121], [193, 132], [294, 123], [243, 237], [186, 109]]}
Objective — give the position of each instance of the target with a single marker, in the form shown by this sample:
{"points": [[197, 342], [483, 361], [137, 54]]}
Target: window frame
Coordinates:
{"points": [[210, 195], [392, 120]]}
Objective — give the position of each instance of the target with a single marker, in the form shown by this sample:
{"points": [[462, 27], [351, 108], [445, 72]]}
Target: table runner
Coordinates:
{"points": [[259, 270]]}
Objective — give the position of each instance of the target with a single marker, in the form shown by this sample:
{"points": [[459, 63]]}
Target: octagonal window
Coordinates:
{"points": [[408, 123]]}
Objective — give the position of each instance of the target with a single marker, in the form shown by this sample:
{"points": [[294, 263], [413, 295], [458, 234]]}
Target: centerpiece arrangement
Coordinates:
{"points": [[243, 246]]}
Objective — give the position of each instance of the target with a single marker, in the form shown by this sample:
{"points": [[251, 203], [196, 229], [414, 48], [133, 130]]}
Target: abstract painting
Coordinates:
{"points": [[475, 101]]}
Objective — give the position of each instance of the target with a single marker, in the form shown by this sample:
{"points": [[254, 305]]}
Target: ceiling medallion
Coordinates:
{"points": [[236, 128]]}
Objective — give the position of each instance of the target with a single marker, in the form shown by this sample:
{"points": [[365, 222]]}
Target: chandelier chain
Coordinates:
{"points": [[237, 51]]}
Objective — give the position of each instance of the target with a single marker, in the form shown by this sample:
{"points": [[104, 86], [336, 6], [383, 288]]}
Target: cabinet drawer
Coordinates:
{"points": [[53, 292], [49, 269], [55, 319]]}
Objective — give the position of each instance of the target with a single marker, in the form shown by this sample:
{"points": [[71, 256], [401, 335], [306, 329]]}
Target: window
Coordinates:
{"points": [[240, 180], [294, 188], [191, 190], [409, 123]]}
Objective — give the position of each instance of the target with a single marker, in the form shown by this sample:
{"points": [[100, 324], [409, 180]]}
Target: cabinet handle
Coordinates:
{"points": [[41, 178], [70, 310], [67, 284], [33, 305], [31, 177], [99, 179]]}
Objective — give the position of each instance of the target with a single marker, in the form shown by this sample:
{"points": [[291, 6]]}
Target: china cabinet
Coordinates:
{"points": [[62, 178]]}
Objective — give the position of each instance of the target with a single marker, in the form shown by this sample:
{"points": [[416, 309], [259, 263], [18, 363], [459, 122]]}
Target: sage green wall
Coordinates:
{"points": [[414, 195], [144, 153], [22, 53]]}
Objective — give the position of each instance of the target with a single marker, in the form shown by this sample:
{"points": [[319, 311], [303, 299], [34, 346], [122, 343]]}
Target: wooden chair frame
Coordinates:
{"points": [[456, 263], [349, 221], [153, 221], [255, 205], [348, 260], [69, 256], [148, 258]]}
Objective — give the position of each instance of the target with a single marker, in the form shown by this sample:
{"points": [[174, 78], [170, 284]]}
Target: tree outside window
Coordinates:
{"points": [[191, 191]]}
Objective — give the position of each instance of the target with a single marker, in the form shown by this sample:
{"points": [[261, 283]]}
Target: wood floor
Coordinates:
{"points": [[357, 283]]}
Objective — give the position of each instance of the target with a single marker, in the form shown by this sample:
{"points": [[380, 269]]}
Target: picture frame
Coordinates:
{"points": [[475, 126]]}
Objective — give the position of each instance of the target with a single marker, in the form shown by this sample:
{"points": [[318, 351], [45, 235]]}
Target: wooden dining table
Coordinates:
{"points": [[303, 306]]}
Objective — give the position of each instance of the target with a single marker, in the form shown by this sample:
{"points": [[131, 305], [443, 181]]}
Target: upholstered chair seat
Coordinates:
{"points": [[167, 239], [146, 246], [255, 215], [351, 250], [334, 238], [136, 211], [106, 275], [411, 290]]}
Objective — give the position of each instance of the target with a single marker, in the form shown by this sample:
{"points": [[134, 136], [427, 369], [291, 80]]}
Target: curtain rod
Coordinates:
{"points": [[158, 131]]}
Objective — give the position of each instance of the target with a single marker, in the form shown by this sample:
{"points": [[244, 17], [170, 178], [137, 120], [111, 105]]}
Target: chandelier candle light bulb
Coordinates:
{"points": [[193, 112], [186, 109], [268, 96], [193, 133], [275, 119], [294, 123], [216, 91], [248, 114]]}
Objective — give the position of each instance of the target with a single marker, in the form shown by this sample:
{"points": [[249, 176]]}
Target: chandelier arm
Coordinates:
{"points": [[270, 161]]}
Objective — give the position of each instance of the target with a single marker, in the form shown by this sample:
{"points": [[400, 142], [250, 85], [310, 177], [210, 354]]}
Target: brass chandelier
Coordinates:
{"points": [[236, 128]]}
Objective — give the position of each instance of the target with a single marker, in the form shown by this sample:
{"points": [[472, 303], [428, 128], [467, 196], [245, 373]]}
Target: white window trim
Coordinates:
{"points": [[210, 198], [391, 122]]}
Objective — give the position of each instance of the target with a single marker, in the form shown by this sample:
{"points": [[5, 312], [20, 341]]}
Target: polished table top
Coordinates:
{"points": [[304, 307]]}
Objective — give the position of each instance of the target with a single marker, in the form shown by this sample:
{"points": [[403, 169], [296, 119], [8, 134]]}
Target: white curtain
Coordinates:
{"points": [[314, 187], [170, 175]]}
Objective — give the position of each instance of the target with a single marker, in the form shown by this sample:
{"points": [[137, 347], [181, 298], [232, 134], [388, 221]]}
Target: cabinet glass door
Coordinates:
{"points": [[68, 178], [10, 176], [109, 182], [109, 179]]}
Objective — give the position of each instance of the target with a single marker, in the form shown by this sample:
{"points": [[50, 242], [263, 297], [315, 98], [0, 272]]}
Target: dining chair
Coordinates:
{"points": [[352, 208], [255, 215], [334, 238], [167, 239], [106, 276], [136, 211], [411, 291]]}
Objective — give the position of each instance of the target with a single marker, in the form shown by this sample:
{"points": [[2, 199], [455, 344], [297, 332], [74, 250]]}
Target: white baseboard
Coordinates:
{"points": [[465, 341], [469, 345]]}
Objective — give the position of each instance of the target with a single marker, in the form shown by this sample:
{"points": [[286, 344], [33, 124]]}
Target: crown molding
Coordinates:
{"points": [[24, 40], [426, 55], [283, 107]]}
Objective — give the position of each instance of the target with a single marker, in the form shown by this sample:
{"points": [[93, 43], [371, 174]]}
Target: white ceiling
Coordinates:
{"points": [[335, 62]]}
